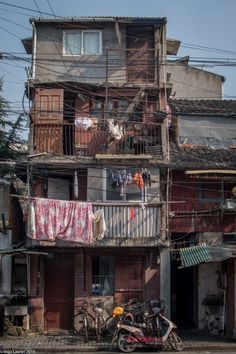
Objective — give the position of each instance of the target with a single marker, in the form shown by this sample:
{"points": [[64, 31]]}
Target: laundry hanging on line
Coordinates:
{"points": [[52, 219]]}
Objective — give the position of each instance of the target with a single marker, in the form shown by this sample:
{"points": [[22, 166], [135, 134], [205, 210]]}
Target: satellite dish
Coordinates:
{"points": [[234, 192]]}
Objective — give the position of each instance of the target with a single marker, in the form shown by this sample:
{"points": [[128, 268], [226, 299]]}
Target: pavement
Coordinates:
{"points": [[32, 343]]}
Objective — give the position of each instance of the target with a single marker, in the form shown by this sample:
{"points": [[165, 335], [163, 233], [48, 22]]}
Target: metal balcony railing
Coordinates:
{"points": [[130, 220], [67, 139]]}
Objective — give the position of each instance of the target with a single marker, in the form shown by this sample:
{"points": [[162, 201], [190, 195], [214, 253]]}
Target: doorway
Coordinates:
{"points": [[59, 291], [140, 59], [183, 299]]}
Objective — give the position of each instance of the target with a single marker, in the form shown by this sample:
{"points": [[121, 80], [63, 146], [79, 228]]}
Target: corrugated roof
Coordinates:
{"points": [[209, 107], [191, 256]]}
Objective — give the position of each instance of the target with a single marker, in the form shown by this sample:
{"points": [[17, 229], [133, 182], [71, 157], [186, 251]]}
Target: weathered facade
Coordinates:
{"points": [[202, 216], [194, 83], [98, 140]]}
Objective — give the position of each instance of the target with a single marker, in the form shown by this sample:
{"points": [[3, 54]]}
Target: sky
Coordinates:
{"points": [[206, 29]]}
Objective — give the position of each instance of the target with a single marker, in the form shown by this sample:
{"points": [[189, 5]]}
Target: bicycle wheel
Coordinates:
{"points": [[111, 325], [83, 324], [99, 327]]}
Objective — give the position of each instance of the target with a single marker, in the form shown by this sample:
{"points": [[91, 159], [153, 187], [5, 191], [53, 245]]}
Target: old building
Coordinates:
{"points": [[98, 137], [192, 82], [202, 215]]}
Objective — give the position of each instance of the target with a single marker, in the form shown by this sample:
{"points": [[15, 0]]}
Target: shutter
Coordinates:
{"points": [[48, 106], [48, 121]]}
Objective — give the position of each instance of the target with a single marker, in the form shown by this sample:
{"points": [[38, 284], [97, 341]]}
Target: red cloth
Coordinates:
{"points": [[132, 213], [60, 219], [138, 179]]}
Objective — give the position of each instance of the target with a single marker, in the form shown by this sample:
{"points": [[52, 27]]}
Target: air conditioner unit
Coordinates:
{"points": [[230, 204]]}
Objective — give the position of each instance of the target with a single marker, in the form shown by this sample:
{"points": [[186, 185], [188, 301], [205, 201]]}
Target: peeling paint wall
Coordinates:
{"points": [[193, 83], [5, 264], [212, 131], [83, 68], [210, 281]]}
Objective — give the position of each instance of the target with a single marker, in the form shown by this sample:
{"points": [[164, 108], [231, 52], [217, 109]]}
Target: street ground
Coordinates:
{"points": [[194, 342]]}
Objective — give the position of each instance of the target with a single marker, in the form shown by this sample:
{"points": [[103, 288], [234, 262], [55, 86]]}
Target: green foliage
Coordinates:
{"points": [[8, 130]]}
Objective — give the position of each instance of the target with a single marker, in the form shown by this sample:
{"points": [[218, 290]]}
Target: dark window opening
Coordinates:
{"points": [[19, 276], [211, 191], [102, 275]]}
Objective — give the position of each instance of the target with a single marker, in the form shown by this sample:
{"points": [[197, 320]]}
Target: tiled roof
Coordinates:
{"points": [[209, 107], [202, 157]]}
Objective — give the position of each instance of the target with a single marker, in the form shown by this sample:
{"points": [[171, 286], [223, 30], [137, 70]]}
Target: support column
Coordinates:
{"points": [[165, 279]]}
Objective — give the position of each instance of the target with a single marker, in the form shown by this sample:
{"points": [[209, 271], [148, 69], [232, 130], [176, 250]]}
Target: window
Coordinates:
{"points": [[19, 275], [211, 191], [102, 275], [82, 42]]}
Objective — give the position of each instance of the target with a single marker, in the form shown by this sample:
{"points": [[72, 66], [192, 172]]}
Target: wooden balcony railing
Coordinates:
{"points": [[132, 221], [67, 139]]}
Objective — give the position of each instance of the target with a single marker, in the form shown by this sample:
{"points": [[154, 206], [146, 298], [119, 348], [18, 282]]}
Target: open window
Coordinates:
{"points": [[121, 185]]}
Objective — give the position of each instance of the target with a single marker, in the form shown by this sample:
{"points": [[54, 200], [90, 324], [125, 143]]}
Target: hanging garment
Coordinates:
{"points": [[146, 177], [76, 185], [115, 130], [132, 213], [138, 180], [53, 219], [99, 224], [84, 122]]}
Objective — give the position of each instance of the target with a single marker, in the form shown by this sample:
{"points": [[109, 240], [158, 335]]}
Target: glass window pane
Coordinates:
{"points": [[102, 275], [72, 43], [91, 43]]}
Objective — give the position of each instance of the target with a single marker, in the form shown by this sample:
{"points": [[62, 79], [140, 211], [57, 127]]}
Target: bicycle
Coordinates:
{"points": [[98, 323], [85, 320]]}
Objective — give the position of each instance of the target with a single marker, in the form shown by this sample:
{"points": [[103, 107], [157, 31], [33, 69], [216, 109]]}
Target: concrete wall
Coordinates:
{"points": [[208, 286], [78, 68], [194, 83], [4, 198], [96, 184], [153, 191], [5, 264]]}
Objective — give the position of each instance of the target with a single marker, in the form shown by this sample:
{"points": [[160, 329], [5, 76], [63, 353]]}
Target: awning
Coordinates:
{"points": [[191, 256]]}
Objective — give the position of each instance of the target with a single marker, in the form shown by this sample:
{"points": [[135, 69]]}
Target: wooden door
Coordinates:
{"points": [[129, 279], [59, 292], [140, 58], [48, 120]]}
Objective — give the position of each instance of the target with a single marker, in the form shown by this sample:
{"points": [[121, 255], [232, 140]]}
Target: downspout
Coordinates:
{"points": [[34, 50]]}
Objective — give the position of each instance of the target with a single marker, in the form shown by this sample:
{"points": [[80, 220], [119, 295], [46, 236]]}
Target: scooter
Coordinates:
{"points": [[154, 331]]}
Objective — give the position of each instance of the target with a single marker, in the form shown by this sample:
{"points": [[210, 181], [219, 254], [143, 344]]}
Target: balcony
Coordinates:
{"points": [[130, 224], [127, 224], [67, 139]]}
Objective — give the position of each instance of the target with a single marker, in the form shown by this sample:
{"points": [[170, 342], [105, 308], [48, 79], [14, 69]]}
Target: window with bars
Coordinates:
{"points": [[102, 275]]}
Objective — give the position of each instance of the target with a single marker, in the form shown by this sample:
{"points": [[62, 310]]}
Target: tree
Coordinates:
{"points": [[9, 130]]}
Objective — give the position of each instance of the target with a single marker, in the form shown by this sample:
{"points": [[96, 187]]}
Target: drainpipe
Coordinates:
{"points": [[34, 50]]}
